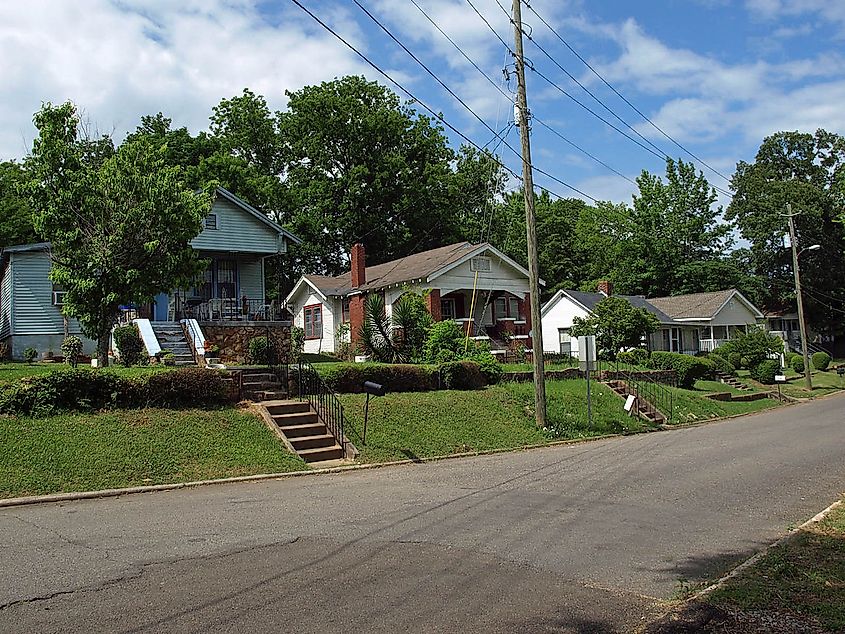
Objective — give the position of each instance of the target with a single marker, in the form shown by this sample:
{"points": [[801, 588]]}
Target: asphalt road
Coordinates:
{"points": [[580, 538]]}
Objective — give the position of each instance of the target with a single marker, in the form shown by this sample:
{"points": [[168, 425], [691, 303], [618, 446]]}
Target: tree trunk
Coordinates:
{"points": [[103, 348]]}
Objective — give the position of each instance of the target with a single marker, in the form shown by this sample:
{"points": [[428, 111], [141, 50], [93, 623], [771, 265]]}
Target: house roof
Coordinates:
{"points": [[419, 266], [589, 301], [245, 206], [701, 305]]}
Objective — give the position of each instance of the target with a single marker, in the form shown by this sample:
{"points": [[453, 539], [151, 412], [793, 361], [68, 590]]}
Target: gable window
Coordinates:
{"points": [[313, 321], [59, 298], [480, 264], [447, 309], [210, 221]]}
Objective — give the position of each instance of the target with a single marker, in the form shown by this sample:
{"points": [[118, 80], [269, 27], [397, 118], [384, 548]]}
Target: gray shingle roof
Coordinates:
{"points": [[589, 301], [694, 306]]}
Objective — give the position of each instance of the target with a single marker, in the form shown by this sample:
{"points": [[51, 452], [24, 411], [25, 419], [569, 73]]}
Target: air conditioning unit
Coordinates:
{"points": [[480, 264]]}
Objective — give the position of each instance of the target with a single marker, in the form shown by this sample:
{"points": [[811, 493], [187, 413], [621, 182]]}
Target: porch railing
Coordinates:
{"points": [[709, 345], [231, 309], [323, 400]]}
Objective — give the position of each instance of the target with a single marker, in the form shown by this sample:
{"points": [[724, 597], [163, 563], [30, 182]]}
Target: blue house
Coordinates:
{"points": [[236, 239]]}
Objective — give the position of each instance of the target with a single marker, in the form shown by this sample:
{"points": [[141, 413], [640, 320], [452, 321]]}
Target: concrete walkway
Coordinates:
{"points": [[579, 538]]}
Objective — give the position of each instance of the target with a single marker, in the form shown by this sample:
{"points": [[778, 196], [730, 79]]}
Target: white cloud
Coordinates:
{"points": [[119, 61]]}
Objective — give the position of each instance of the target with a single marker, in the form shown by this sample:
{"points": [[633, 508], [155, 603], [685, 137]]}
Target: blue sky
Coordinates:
{"points": [[717, 75]]}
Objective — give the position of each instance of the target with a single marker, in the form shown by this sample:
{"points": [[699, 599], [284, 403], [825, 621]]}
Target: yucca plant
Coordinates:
{"points": [[398, 338]]}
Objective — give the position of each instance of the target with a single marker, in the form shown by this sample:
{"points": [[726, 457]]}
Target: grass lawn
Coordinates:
{"points": [[12, 371], [710, 387], [424, 424], [83, 452], [825, 382], [805, 575], [692, 406]]}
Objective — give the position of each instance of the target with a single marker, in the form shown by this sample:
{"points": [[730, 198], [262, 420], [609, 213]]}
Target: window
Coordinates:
{"points": [[227, 279], [211, 221], [480, 264], [59, 298], [501, 307], [313, 321], [513, 307], [447, 309], [344, 310], [565, 341], [675, 340]]}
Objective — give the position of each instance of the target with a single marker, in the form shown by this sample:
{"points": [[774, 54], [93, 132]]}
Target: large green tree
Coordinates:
{"points": [[119, 220], [802, 170], [616, 324], [15, 212]]}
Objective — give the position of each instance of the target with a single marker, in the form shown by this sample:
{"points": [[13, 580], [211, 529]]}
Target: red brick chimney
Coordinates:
{"points": [[606, 288], [359, 267]]}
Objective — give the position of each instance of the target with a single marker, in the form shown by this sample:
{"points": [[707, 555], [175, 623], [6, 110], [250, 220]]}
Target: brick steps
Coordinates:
{"points": [[646, 410], [304, 432], [727, 379]]}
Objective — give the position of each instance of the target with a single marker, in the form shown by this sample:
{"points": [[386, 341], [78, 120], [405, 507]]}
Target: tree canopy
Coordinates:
{"points": [[616, 324], [119, 220]]}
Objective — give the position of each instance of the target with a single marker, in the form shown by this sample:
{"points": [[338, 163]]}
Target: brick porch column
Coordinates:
{"points": [[356, 318], [432, 303], [526, 311]]}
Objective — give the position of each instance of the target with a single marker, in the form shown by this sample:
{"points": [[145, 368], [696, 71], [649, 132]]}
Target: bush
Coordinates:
{"points": [[753, 347], [30, 355], [462, 375], [735, 360], [722, 365], [445, 338], [765, 371], [72, 350], [637, 356], [185, 387], [297, 342], [259, 351], [490, 366], [797, 363], [821, 360], [688, 369], [395, 377], [129, 344]]}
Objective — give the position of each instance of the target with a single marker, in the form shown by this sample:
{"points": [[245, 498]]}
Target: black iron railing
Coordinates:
{"points": [[277, 358], [229, 309], [325, 402], [647, 388]]}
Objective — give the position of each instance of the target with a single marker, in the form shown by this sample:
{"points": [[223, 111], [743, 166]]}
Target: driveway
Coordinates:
{"points": [[590, 537]]}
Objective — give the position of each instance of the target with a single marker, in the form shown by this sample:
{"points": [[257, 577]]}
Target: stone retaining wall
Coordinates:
{"points": [[233, 338]]}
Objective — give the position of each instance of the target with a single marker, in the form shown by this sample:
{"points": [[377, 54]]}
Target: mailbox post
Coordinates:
{"points": [[780, 378], [374, 389]]}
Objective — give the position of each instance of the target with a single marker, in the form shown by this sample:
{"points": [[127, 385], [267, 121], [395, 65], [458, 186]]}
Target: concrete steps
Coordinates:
{"points": [[303, 430], [727, 379], [171, 337], [261, 385], [646, 410]]}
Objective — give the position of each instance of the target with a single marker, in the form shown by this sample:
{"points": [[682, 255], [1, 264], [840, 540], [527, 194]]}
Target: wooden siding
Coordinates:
{"points": [[251, 278], [734, 313], [307, 297], [34, 312], [560, 316], [6, 304], [501, 277], [238, 231]]}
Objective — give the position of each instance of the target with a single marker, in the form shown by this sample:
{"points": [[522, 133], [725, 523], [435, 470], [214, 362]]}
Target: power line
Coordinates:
{"points": [[510, 99], [621, 96], [453, 94]]}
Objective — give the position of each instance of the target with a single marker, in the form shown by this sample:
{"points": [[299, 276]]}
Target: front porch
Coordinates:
{"points": [[694, 339], [495, 316]]}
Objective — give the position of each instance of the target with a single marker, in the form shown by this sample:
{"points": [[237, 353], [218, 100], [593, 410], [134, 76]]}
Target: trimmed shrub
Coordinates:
{"points": [[462, 375], [687, 368], [490, 367], [797, 363], [72, 350], [735, 359], [30, 355], [722, 364], [185, 387], [787, 358], [765, 371], [821, 360], [637, 356], [395, 377], [129, 343], [61, 390], [259, 350]]}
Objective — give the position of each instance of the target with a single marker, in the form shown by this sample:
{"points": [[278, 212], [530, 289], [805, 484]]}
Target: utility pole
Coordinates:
{"points": [[808, 381], [530, 223]]}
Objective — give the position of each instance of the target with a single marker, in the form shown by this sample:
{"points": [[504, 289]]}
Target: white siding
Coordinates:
{"points": [[501, 277], [560, 315], [307, 297], [237, 231]]}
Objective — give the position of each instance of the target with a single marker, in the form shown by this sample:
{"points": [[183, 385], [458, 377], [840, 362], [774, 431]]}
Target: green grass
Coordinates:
{"points": [[805, 575], [83, 452], [12, 371], [825, 382], [425, 424], [692, 405]]}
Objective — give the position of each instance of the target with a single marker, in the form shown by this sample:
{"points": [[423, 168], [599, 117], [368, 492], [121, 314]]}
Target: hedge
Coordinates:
{"points": [[89, 390], [722, 364], [688, 369], [765, 371], [349, 377], [462, 375], [821, 360]]}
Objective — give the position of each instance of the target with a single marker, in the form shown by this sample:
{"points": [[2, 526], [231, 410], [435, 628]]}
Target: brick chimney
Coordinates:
{"points": [[606, 288], [359, 267]]}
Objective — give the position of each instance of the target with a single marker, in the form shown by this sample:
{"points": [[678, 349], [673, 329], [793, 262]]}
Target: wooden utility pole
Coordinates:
{"points": [[808, 381], [530, 223]]}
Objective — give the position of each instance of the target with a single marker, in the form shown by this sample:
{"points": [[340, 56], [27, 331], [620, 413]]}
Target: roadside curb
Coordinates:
{"points": [[152, 488], [818, 517]]}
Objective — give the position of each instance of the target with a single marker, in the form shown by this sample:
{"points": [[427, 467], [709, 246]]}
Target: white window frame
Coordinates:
{"points": [[480, 264], [59, 298], [564, 339], [206, 225]]}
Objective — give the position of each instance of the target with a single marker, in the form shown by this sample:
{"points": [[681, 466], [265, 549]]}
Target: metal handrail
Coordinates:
{"points": [[649, 389], [328, 407], [187, 332]]}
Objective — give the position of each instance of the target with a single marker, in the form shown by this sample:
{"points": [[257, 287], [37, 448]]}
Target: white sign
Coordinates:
{"points": [[587, 352], [780, 378], [629, 402]]}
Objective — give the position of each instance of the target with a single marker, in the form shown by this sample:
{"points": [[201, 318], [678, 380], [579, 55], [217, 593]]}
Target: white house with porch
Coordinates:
{"points": [[475, 285]]}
